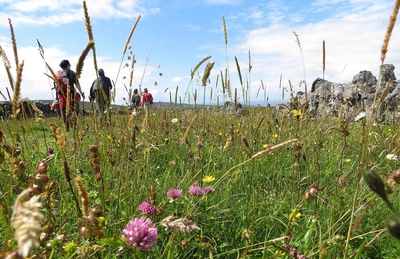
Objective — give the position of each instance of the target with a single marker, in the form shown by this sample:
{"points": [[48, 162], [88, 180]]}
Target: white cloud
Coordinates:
{"points": [[46, 12], [177, 80]]}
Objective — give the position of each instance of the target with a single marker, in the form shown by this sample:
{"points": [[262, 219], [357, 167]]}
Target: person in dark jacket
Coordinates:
{"points": [[100, 93]]}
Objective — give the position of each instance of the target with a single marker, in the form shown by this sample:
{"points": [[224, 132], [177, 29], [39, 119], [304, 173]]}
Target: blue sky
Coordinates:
{"points": [[172, 37]]}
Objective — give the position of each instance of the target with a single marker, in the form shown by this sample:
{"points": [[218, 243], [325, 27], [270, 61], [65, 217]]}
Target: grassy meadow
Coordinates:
{"points": [[198, 183]]}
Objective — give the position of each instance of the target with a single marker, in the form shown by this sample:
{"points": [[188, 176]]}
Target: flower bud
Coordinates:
{"points": [[41, 179], [41, 168], [375, 183], [394, 228]]}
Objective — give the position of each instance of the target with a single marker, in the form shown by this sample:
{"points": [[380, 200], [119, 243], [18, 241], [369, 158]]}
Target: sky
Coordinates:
{"points": [[173, 36]]}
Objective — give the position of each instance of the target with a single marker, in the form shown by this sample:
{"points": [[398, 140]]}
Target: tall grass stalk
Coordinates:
{"points": [[126, 46]]}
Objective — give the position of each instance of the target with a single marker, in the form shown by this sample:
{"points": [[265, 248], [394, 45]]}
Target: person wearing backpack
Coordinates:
{"points": [[136, 99], [147, 98], [100, 93], [66, 82]]}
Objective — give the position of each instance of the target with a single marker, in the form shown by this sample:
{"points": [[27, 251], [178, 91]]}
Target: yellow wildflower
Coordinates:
{"points": [[295, 214], [208, 179], [347, 160], [296, 113]]}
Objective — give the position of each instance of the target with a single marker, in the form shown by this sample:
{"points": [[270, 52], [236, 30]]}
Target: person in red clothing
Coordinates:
{"points": [[67, 82], [147, 98]]}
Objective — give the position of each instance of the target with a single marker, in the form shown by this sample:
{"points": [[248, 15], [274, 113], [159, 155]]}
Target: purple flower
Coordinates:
{"points": [[196, 190], [147, 208], [140, 232], [208, 189], [200, 144], [172, 163], [142, 144], [174, 193], [50, 150], [341, 180]]}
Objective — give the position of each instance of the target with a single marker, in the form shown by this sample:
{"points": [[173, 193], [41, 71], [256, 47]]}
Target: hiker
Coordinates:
{"points": [[147, 98], [136, 99], [100, 93], [66, 84]]}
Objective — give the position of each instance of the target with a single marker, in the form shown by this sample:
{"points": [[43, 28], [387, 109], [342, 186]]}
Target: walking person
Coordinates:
{"points": [[100, 93], [66, 92], [147, 98], [136, 99]]}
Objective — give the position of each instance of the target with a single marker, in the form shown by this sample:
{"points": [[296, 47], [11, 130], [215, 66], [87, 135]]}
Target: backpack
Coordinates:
{"points": [[148, 98], [63, 79]]}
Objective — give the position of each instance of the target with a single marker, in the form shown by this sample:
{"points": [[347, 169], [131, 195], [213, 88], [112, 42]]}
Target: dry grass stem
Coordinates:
{"points": [[38, 112], [385, 92], [87, 22], [26, 221], [323, 57], [17, 91], [82, 57], [184, 138], [225, 33], [198, 65], [207, 71], [84, 198], [132, 69], [250, 65], [131, 33], [389, 30], [14, 43], [239, 73], [7, 66], [268, 150]]}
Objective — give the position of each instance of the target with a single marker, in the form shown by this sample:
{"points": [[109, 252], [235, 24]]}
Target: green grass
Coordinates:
{"points": [[248, 214]]}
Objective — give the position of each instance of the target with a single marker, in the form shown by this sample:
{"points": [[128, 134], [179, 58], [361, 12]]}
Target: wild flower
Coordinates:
{"points": [[208, 179], [196, 190], [208, 189], [296, 113], [347, 160], [142, 144], [174, 193], [174, 120], [26, 221], [141, 233], [200, 144], [360, 116], [147, 208], [183, 224], [172, 163], [341, 180], [50, 150], [295, 214], [392, 157], [313, 191]]}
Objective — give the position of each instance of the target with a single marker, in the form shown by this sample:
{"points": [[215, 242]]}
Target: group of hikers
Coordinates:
{"points": [[69, 93]]}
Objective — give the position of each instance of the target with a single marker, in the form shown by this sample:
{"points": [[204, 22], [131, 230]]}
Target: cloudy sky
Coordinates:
{"points": [[173, 36]]}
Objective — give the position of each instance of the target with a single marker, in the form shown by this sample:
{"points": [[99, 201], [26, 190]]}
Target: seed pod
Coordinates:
{"points": [[394, 228], [41, 179], [375, 183], [41, 168]]}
